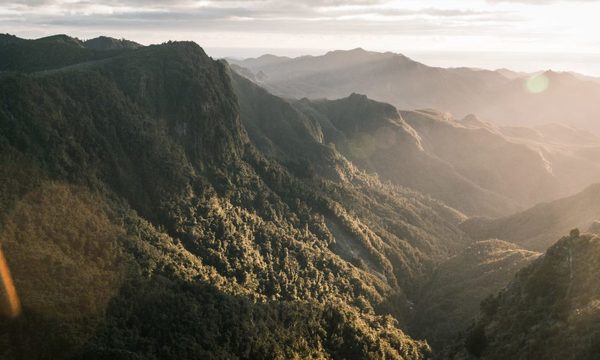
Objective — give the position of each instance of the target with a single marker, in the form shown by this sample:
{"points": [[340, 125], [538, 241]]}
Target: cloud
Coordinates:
{"points": [[296, 10], [263, 16], [252, 20], [178, 3], [541, 2]]}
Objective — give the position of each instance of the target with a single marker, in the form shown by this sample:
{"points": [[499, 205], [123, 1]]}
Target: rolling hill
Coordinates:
{"points": [[536, 227]]}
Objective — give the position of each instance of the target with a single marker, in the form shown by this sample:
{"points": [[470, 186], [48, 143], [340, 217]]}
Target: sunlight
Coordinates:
{"points": [[537, 84]]}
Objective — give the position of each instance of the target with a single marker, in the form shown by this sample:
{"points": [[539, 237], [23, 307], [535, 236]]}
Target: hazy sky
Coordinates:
{"points": [[520, 34]]}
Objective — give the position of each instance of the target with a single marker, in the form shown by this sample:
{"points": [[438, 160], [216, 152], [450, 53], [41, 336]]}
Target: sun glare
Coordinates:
{"points": [[537, 84]]}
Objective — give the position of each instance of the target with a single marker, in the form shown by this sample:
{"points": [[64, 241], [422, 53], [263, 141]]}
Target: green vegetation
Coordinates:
{"points": [[551, 310], [107, 43], [48, 53], [143, 218], [96, 283], [451, 300], [155, 205]]}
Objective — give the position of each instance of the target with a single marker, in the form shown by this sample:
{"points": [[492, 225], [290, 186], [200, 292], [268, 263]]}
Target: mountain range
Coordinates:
{"points": [[503, 97], [156, 203], [476, 166]]}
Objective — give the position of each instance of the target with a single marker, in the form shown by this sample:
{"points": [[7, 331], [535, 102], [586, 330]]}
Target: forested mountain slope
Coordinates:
{"points": [[450, 301], [370, 134], [149, 213], [108, 43], [551, 310], [55, 51]]}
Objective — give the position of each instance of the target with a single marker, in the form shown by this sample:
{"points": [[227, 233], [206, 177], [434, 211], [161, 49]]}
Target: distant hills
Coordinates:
{"points": [[502, 96], [537, 227], [476, 166]]}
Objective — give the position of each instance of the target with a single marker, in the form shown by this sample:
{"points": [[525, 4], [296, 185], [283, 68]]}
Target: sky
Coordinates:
{"points": [[524, 35]]}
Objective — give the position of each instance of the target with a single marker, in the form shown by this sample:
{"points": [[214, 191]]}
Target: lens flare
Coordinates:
{"points": [[537, 84], [11, 306]]}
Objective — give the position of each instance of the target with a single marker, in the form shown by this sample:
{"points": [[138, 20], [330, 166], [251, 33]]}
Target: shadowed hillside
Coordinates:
{"points": [[450, 301], [108, 43], [53, 52]]}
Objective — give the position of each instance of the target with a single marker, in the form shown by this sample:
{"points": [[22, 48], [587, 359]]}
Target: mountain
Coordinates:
{"points": [[388, 77], [502, 97], [536, 227], [490, 160], [108, 43], [474, 166], [525, 169], [50, 52], [450, 301], [282, 132], [376, 137], [549, 311], [511, 74], [156, 206]]}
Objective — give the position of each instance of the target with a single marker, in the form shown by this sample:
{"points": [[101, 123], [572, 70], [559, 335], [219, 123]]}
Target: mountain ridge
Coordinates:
{"points": [[498, 96]]}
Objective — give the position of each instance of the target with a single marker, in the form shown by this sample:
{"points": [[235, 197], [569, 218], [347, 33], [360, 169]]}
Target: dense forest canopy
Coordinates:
{"points": [[134, 185]]}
